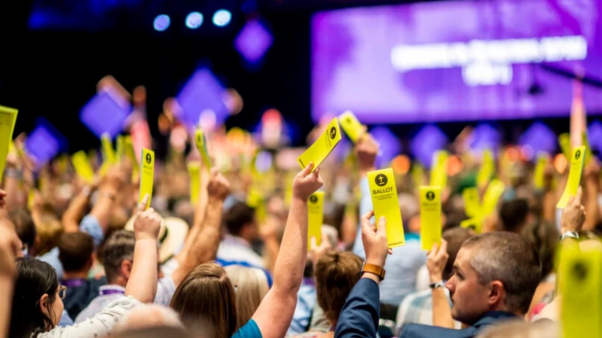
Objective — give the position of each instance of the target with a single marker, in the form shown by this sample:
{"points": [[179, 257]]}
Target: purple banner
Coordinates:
{"points": [[456, 61]]}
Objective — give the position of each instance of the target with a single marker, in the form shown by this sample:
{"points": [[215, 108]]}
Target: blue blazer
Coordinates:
{"points": [[426, 331], [359, 317]]}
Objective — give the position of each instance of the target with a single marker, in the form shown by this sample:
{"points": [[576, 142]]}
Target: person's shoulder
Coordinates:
{"points": [[249, 330], [427, 331]]}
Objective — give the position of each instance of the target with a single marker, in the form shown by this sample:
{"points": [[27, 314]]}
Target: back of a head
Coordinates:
{"points": [[511, 259], [48, 229], [544, 237], [118, 247], [521, 329], [206, 301], [251, 285], [26, 229], [513, 214], [454, 237], [75, 251], [336, 274], [239, 215], [34, 279]]}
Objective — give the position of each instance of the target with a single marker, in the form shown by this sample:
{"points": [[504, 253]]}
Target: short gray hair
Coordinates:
{"points": [[511, 259], [118, 248]]}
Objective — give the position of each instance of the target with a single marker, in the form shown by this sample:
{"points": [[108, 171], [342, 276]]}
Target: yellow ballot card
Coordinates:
{"points": [[472, 204], [120, 148], [574, 180], [82, 166], [486, 170], [256, 200], [494, 191], [194, 169], [430, 216], [472, 223], [318, 151], [439, 169], [8, 117], [108, 154], [148, 175], [580, 278], [418, 174], [351, 125], [315, 211], [540, 170], [565, 144], [131, 154], [385, 203], [201, 144]]}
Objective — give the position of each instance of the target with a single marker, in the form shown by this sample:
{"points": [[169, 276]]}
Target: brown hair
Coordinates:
{"points": [[251, 286], [49, 230], [75, 250], [336, 274], [206, 301], [455, 237]]}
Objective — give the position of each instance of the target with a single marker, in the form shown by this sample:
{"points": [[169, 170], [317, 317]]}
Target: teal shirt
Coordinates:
{"points": [[249, 330]]}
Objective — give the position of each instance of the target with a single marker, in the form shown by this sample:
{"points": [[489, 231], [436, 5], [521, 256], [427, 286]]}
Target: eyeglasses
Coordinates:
{"points": [[62, 291]]}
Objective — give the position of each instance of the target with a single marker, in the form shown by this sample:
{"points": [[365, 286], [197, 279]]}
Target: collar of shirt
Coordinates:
{"points": [[111, 289], [236, 241], [494, 316], [73, 283], [410, 236]]}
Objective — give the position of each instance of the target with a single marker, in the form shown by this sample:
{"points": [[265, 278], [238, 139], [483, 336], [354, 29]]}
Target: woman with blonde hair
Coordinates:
{"points": [[251, 285]]}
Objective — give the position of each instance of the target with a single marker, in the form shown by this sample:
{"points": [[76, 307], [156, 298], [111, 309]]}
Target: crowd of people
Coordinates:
{"points": [[90, 260]]}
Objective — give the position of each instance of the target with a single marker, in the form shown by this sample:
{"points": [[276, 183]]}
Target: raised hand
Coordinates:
{"points": [[375, 240], [436, 260], [307, 182], [366, 150], [147, 223], [218, 186], [573, 215]]}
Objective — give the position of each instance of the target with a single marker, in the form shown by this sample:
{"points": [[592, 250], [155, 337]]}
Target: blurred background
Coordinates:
{"points": [[417, 71]]}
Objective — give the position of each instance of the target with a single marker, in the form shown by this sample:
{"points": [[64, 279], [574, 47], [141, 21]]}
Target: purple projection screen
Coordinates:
{"points": [[456, 61]]}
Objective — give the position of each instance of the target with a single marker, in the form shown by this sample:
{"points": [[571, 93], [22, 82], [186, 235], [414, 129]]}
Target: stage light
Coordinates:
{"points": [[194, 20], [161, 22], [222, 18]]}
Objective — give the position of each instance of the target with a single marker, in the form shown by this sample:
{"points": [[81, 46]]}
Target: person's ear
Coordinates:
{"points": [[126, 268], [497, 294], [44, 304]]}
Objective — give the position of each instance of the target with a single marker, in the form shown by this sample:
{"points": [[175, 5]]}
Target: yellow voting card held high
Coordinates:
{"points": [[352, 126], [120, 148], [131, 154], [572, 183], [82, 166], [315, 216], [108, 154], [580, 277], [439, 169], [385, 203], [430, 216], [474, 223], [472, 204], [194, 169], [494, 192], [486, 170], [565, 144], [318, 151], [540, 171], [147, 161], [201, 144], [8, 117]]}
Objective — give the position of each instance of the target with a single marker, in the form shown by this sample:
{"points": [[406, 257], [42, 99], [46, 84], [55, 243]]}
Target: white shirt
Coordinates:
{"points": [[235, 249], [100, 325]]}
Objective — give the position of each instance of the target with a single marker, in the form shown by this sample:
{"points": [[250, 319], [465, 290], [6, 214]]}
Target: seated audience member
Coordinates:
{"points": [[215, 316], [417, 308], [241, 225], [37, 300], [251, 286], [75, 254], [26, 229], [514, 215]]}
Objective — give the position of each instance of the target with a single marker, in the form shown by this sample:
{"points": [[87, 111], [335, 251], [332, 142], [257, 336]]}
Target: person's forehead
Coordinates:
{"points": [[463, 257]]}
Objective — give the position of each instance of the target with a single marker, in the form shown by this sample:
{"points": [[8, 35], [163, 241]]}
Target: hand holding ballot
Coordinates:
{"points": [[375, 240], [573, 215], [366, 150], [436, 260], [307, 182]]}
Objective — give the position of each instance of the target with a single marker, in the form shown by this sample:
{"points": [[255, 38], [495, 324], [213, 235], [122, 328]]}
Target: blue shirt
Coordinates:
{"points": [[89, 225], [249, 330], [426, 331], [306, 301], [402, 266]]}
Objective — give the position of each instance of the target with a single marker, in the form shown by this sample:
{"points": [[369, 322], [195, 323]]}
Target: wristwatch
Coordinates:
{"points": [[437, 285], [569, 234], [374, 269]]}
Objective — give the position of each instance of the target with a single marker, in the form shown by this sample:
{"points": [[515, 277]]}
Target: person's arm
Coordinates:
{"points": [[361, 312], [437, 258], [142, 283], [9, 246], [269, 235], [573, 217], [206, 243], [281, 300], [591, 175], [199, 211], [76, 210], [107, 195]]}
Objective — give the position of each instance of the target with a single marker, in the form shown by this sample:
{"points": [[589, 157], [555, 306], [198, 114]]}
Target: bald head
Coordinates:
{"points": [[151, 316], [511, 259]]}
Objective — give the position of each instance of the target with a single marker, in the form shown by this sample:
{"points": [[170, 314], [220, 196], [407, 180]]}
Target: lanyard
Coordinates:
{"points": [[73, 283]]}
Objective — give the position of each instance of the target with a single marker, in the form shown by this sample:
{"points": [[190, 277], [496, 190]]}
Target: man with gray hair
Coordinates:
{"points": [[495, 277]]}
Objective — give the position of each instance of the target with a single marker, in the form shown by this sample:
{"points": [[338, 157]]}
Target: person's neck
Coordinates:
{"points": [[75, 275], [121, 281]]}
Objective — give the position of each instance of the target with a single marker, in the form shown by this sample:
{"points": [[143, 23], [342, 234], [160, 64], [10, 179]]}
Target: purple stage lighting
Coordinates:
{"points": [[484, 136], [45, 142], [253, 41], [105, 113], [389, 146], [540, 138], [426, 142], [202, 93]]}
